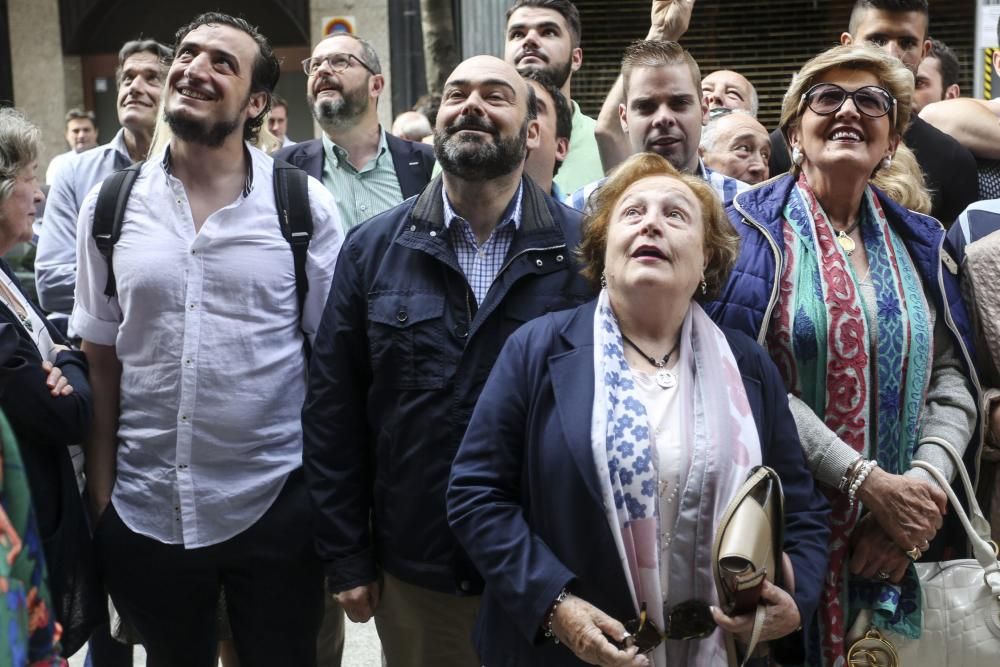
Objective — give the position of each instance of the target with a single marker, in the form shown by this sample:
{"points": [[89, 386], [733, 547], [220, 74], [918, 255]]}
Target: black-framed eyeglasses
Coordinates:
{"points": [[691, 619], [338, 62], [827, 98]]}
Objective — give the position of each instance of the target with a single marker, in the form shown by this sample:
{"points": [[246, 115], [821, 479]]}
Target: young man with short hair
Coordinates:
{"points": [[555, 126], [544, 36], [81, 135], [937, 77], [663, 111]]}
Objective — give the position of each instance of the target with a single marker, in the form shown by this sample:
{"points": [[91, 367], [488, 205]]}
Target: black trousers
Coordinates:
{"points": [[272, 579]]}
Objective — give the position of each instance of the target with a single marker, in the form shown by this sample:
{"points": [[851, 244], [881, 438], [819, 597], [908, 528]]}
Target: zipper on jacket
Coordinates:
{"points": [[747, 219], [965, 353]]}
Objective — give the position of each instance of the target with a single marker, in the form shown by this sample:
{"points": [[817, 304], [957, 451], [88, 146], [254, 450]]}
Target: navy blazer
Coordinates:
{"points": [[414, 161], [44, 426], [525, 502]]}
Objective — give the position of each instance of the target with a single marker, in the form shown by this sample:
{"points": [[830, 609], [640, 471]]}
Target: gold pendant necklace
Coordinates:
{"points": [[845, 240]]}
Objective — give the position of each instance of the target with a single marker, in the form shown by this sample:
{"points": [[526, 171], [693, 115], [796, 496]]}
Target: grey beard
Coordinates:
{"points": [[342, 112]]}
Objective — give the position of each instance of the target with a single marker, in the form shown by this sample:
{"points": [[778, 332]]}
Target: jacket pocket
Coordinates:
{"points": [[407, 339]]}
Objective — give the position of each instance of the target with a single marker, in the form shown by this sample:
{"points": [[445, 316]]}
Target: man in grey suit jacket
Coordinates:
{"points": [[367, 169]]}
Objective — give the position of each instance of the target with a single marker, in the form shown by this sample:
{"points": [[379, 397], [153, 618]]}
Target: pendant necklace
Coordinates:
{"points": [[11, 302], [665, 378], [845, 240]]}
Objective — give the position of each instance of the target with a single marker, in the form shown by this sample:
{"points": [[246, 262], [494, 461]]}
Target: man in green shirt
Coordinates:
{"points": [[544, 36], [367, 169]]}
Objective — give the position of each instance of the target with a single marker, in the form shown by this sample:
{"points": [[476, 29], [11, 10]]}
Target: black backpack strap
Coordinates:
{"points": [[111, 202], [291, 197]]}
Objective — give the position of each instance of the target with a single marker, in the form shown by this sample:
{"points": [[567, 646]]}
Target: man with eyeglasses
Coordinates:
{"points": [[899, 28], [367, 169]]}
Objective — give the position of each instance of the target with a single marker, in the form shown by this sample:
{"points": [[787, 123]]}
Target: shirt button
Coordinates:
{"points": [[184, 418], [559, 258], [413, 228], [466, 586], [194, 252], [434, 233], [188, 362], [183, 466], [538, 262], [401, 316], [190, 306], [363, 207], [461, 331]]}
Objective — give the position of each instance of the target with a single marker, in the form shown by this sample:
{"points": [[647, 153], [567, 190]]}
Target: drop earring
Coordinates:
{"points": [[797, 156], [704, 287], [887, 162], [604, 281]]}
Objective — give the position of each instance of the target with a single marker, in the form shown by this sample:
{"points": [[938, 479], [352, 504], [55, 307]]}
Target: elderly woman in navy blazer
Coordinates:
{"points": [[609, 440]]}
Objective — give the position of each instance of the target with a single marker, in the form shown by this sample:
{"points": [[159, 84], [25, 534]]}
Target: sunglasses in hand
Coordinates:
{"points": [[691, 619]]}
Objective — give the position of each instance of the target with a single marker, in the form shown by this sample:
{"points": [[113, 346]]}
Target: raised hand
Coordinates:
{"points": [[669, 19]]}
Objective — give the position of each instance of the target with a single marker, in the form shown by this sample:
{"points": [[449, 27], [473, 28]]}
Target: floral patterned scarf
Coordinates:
{"points": [[724, 446], [29, 634], [820, 339]]}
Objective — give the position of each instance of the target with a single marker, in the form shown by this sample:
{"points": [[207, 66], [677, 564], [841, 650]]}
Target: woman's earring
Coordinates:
{"points": [[704, 287], [604, 281], [797, 156], [887, 162]]}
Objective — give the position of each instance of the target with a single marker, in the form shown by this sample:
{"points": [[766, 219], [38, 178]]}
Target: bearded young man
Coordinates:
{"points": [[543, 37], [198, 373], [423, 298], [367, 169]]}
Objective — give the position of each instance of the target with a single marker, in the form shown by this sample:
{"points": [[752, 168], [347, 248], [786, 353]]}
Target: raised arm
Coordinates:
{"points": [[973, 123], [669, 20]]}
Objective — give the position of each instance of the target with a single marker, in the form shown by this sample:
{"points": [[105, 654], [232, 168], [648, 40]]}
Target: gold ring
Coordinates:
{"points": [[915, 553]]}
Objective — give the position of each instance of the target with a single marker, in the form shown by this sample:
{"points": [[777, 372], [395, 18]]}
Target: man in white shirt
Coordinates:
{"points": [[198, 369]]}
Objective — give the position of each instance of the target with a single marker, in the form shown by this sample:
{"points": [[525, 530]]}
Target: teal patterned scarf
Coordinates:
{"points": [[869, 394]]}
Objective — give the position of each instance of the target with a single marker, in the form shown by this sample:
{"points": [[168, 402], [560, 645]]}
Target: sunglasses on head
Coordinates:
{"points": [[691, 619], [827, 98]]}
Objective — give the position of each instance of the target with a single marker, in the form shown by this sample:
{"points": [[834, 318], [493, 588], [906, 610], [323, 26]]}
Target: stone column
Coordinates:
{"points": [[41, 86], [372, 23]]}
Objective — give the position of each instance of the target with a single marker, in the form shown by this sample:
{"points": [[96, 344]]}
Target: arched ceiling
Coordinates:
{"points": [[102, 26]]}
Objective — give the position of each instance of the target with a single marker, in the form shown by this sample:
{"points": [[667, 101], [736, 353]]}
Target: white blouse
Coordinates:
{"points": [[663, 409]]}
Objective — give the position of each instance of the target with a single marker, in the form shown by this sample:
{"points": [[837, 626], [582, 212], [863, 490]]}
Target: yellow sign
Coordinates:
{"points": [[335, 24], [988, 74]]}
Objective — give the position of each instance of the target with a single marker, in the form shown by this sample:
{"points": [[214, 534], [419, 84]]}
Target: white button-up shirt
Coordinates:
{"points": [[206, 326]]}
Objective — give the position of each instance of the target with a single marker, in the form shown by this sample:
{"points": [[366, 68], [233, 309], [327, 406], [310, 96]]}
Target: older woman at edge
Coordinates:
{"points": [[609, 439], [43, 392], [862, 314]]}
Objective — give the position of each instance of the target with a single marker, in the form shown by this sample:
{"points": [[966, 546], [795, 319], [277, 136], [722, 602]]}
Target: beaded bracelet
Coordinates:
{"points": [[563, 594], [860, 479], [849, 474]]}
